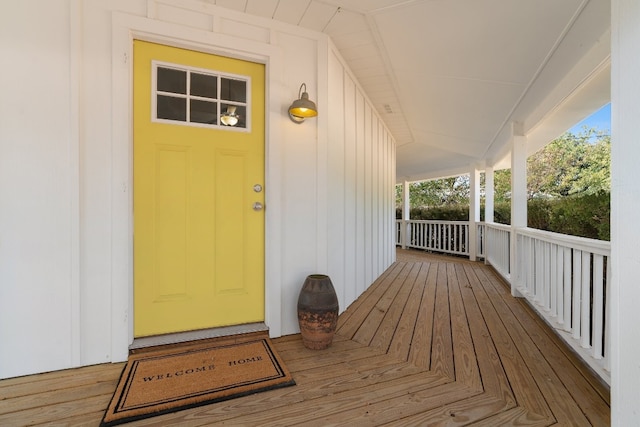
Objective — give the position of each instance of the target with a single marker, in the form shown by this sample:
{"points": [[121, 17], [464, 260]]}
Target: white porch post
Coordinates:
{"points": [[518, 198], [406, 213], [489, 194], [474, 211], [625, 205]]}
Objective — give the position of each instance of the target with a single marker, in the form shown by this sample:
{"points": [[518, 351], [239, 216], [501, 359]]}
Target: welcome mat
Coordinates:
{"points": [[183, 376]]}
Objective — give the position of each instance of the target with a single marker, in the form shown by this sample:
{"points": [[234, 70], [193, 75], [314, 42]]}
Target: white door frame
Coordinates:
{"points": [[126, 28]]}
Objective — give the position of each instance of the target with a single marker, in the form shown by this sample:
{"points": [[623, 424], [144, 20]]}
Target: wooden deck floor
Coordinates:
{"points": [[434, 341]]}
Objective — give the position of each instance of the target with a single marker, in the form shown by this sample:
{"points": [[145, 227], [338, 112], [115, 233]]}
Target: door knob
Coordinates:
{"points": [[257, 206]]}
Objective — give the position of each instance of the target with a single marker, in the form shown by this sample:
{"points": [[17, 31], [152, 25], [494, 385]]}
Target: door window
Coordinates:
{"points": [[199, 97]]}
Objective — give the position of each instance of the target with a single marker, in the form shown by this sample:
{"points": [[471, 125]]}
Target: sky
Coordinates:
{"points": [[601, 120]]}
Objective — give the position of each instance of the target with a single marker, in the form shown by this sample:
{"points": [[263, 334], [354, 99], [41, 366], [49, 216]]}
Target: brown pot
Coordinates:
{"points": [[317, 312]]}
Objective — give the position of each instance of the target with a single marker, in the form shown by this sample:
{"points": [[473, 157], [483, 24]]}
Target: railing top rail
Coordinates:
{"points": [[498, 226], [600, 247], [433, 221]]}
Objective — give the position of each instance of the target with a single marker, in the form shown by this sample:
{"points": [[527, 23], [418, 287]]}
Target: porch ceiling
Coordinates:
{"points": [[449, 77]]}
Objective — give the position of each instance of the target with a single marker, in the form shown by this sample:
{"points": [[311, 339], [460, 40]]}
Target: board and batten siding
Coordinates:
{"points": [[66, 263], [39, 214], [360, 171]]}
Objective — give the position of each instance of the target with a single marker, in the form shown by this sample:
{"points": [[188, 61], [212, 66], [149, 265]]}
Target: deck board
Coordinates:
{"points": [[420, 352], [389, 325], [520, 378], [404, 334], [465, 357], [493, 377], [558, 376], [434, 341], [442, 346], [374, 321], [565, 409]]}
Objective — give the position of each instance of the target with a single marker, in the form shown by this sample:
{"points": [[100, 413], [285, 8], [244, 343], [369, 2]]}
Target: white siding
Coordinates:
{"points": [[299, 180], [65, 171], [360, 180], [37, 155]]}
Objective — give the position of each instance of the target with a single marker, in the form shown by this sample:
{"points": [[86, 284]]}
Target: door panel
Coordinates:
{"points": [[198, 243]]}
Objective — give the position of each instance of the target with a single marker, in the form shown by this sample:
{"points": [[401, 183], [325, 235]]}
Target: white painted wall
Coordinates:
{"points": [[625, 205], [360, 187], [65, 171], [38, 187]]}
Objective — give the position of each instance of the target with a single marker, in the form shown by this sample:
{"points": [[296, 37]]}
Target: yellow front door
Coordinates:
{"points": [[198, 238]]}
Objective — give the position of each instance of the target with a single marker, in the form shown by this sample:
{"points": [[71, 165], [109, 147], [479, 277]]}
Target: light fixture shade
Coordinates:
{"points": [[302, 107], [229, 117]]}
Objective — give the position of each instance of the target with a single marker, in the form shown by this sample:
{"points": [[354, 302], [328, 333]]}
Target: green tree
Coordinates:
{"points": [[570, 165], [502, 185], [568, 183], [440, 192], [595, 170]]}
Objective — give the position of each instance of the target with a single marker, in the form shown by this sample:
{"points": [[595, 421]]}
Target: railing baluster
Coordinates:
{"points": [[547, 275], [427, 236], [432, 236], [411, 241], [607, 317], [577, 289], [532, 265], [586, 301], [504, 262], [553, 296], [480, 237], [559, 288], [455, 244], [446, 231], [447, 239], [598, 305], [539, 286], [567, 289]]}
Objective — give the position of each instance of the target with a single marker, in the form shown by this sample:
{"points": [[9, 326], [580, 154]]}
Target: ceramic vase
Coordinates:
{"points": [[317, 312]]}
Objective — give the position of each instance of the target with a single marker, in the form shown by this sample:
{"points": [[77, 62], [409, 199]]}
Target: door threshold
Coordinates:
{"points": [[197, 335]]}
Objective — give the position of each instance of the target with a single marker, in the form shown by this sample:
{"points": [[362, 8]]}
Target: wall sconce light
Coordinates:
{"points": [[229, 117], [302, 107]]}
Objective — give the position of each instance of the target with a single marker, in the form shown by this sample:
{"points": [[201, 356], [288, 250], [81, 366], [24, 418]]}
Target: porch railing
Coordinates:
{"points": [[564, 278], [498, 248], [450, 237]]}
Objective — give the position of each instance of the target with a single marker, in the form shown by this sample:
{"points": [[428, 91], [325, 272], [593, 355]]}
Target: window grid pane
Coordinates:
{"points": [[204, 85], [171, 108], [171, 80], [204, 112], [233, 90]]}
